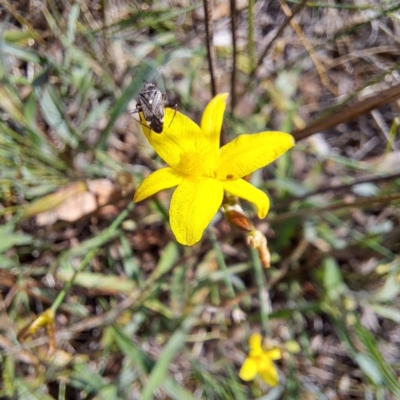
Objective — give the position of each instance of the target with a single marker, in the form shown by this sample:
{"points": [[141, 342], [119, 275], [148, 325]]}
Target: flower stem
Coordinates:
{"points": [[262, 291]]}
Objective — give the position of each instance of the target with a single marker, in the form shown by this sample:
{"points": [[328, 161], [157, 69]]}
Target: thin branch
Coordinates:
{"points": [[358, 203], [250, 39], [209, 25], [278, 34], [310, 49], [337, 188], [234, 54], [345, 113]]}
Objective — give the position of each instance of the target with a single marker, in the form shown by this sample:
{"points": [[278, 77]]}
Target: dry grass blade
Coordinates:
{"points": [[276, 36], [318, 64], [17, 15]]}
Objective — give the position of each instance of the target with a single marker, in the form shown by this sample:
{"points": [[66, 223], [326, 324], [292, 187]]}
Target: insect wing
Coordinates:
{"points": [[152, 104], [146, 106], [158, 106]]}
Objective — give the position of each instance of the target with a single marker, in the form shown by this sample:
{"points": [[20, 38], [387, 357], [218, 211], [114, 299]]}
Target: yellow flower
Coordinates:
{"points": [[260, 362], [202, 171]]}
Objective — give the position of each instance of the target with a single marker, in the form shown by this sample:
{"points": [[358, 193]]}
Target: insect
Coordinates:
{"points": [[151, 103]]}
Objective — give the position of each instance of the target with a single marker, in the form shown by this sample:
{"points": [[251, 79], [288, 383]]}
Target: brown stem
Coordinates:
{"points": [[209, 25], [337, 188], [345, 113], [387, 198], [278, 33], [234, 54]]}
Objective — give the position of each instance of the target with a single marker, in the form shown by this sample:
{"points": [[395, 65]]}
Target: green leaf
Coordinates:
{"points": [[387, 312], [17, 36], [389, 377], [168, 259], [29, 391], [9, 239], [332, 279], [6, 263], [131, 268], [121, 104], [51, 107], [369, 367], [97, 281], [94, 115], [8, 375], [20, 53], [72, 21], [140, 359], [174, 345], [94, 381], [144, 364], [389, 291]]}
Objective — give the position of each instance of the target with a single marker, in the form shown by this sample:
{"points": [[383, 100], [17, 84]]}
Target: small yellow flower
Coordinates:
{"points": [[260, 362], [202, 171]]}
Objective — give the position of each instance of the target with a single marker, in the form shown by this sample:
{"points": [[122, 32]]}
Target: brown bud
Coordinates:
{"points": [[236, 217], [257, 240], [239, 221]]}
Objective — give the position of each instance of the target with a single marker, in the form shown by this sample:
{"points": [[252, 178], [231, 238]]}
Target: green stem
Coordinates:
{"points": [[221, 262], [262, 290]]}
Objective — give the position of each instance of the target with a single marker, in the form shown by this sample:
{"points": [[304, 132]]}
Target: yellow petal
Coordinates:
{"points": [[247, 153], [255, 343], [179, 136], [193, 205], [269, 373], [211, 122], [273, 354], [249, 370], [247, 191], [161, 179]]}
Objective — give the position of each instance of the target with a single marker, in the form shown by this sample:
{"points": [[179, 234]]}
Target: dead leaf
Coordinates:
{"points": [[75, 202], [54, 199], [70, 210]]}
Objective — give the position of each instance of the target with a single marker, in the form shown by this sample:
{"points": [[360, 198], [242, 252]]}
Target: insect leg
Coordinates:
{"points": [[175, 106]]}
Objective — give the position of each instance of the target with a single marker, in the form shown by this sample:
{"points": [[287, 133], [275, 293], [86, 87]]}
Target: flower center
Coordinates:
{"points": [[198, 163]]}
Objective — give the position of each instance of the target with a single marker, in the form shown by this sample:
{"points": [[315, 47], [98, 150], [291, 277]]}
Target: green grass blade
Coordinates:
{"points": [[174, 345], [388, 375], [121, 104]]}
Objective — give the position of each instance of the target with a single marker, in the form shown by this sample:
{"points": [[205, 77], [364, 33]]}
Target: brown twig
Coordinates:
{"points": [[234, 54], [369, 201], [268, 47], [310, 49], [288, 261], [337, 188], [209, 25], [345, 113], [278, 33]]}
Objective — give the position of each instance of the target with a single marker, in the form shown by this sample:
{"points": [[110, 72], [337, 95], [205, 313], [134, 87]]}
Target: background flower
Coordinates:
{"points": [[260, 362]]}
